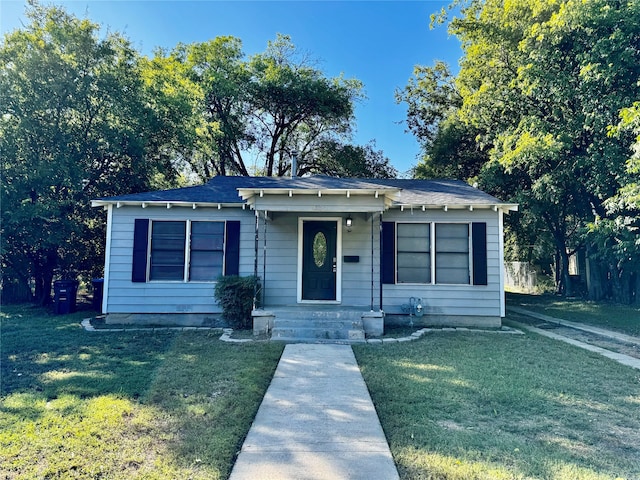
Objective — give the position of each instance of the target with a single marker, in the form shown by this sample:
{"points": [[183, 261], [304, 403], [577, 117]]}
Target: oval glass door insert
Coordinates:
{"points": [[319, 249]]}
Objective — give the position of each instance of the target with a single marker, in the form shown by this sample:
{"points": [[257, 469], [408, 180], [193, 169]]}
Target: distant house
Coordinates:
{"points": [[337, 257]]}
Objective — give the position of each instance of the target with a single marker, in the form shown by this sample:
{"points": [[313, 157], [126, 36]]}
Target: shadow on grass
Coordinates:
{"points": [[54, 356], [213, 391], [122, 405], [476, 406]]}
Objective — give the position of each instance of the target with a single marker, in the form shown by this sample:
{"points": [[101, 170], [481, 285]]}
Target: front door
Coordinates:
{"points": [[319, 260]]}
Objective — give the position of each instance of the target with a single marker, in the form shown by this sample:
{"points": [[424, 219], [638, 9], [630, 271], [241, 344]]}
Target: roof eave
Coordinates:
{"points": [[506, 207], [246, 193], [164, 203]]}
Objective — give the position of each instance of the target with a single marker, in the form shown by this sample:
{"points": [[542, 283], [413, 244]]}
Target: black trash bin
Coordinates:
{"points": [[64, 296], [98, 288]]}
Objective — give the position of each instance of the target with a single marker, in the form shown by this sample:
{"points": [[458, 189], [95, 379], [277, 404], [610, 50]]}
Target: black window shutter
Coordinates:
{"points": [[232, 248], [140, 246], [479, 243], [388, 252]]}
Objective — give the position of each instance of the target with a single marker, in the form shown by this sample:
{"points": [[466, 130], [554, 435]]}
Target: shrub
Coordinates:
{"points": [[235, 295]]}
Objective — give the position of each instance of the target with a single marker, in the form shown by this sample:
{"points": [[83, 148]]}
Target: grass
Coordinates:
{"points": [[78, 404], [168, 404], [620, 318], [476, 406]]}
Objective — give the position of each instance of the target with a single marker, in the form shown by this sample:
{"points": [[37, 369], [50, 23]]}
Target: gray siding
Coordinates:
{"points": [[281, 279], [454, 300], [124, 296], [357, 277]]}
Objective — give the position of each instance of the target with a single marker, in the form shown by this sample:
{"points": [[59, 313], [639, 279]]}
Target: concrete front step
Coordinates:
{"points": [[334, 341], [318, 324], [303, 314], [306, 324], [317, 333], [329, 324]]}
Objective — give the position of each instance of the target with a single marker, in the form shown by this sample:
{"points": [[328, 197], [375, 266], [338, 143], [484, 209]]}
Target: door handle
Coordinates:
{"points": [[335, 264]]}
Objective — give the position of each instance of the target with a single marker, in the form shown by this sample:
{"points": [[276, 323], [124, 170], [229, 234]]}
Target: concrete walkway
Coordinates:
{"points": [[621, 337], [618, 357], [316, 421]]}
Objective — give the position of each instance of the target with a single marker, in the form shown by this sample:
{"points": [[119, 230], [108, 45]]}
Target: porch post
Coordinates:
{"points": [[264, 257], [255, 261], [380, 260], [372, 261]]}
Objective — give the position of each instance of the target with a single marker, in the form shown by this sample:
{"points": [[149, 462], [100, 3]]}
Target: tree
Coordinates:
{"points": [[76, 122], [339, 160], [217, 70], [449, 147], [614, 239], [540, 83], [264, 107]]}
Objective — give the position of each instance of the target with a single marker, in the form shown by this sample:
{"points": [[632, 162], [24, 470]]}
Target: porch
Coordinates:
{"points": [[317, 254]]}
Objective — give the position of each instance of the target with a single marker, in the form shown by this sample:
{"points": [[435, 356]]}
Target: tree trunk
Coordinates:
{"points": [[634, 288], [566, 288], [43, 281], [44, 265], [595, 280], [557, 276]]}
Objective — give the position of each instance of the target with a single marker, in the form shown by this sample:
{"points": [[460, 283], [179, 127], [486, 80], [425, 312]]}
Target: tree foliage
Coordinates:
{"points": [[614, 239], [253, 113], [76, 122], [540, 83], [84, 116], [343, 160]]}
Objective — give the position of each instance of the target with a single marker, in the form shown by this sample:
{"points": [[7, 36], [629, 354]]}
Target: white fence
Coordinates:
{"points": [[520, 276]]}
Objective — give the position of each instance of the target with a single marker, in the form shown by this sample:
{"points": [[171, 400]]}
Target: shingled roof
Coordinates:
{"points": [[224, 190]]}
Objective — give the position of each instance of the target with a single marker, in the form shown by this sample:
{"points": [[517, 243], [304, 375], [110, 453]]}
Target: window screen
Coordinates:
{"points": [[452, 253], [167, 250], [207, 250], [413, 253]]}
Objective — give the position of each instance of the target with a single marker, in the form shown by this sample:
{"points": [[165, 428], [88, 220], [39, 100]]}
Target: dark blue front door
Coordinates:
{"points": [[319, 261]]}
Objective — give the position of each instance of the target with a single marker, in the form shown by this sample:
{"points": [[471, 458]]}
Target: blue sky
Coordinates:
{"points": [[377, 42]]}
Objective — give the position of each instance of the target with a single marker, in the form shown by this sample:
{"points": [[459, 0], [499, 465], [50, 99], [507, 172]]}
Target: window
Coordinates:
{"points": [[207, 250], [170, 250], [444, 253], [413, 253], [179, 250], [167, 250], [452, 253]]}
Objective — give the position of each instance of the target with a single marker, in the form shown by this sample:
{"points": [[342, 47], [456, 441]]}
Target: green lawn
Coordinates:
{"points": [[454, 406], [464, 406], [620, 318], [78, 404]]}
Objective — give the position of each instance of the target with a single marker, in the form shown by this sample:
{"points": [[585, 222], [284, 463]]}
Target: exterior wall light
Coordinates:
{"points": [[349, 222]]}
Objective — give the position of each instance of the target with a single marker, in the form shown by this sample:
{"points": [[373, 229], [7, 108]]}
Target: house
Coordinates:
{"points": [[355, 252]]}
